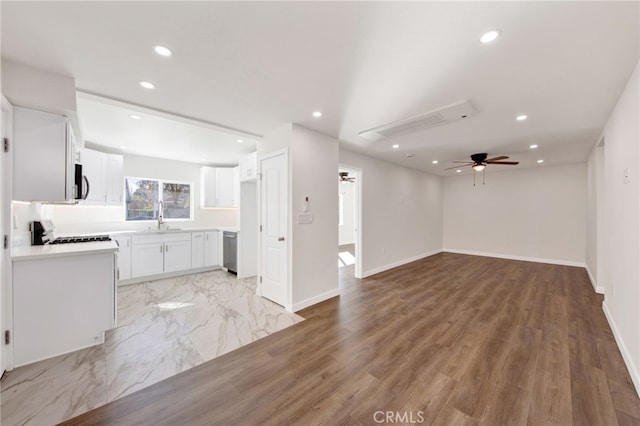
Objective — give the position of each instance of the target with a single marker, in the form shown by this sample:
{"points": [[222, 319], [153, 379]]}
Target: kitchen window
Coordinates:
{"points": [[143, 197]]}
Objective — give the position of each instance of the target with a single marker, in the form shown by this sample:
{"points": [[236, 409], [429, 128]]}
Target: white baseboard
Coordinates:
{"points": [[313, 300], [523, 258], [598, 289], [633, 372], [398, 263]]}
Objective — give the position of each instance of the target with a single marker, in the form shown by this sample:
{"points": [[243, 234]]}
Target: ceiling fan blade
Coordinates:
{"points": [[465, 162], [508, 163], [502, 157], [457, 167]]}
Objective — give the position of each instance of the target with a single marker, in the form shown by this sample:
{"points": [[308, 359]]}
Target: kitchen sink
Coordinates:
{"points": [[167, 229]]}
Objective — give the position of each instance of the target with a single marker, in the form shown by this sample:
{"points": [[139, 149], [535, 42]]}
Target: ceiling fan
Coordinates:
{"points": [[479, 162], [344, 177]]}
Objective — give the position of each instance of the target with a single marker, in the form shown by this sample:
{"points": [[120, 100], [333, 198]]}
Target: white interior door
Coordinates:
{"points": [[273, 208]]}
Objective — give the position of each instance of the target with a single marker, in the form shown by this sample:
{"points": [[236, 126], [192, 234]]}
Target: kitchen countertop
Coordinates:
{"points": [[167, 231], [57, 250]]}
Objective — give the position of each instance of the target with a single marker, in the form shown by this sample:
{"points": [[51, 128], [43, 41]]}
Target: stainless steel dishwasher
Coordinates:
{"points": [[230, 251]]}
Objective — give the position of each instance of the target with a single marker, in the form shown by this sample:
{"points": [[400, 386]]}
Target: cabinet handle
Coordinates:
{"points": [[167, 248], [161, 246]]}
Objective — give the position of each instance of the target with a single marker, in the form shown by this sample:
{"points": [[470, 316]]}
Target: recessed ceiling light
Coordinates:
{"points": [[123, 147], [434, 162], [147, 85], [203, 159], [534, 146], [163, 51], [489, 36], [240, 141], [458, 171], [396, 146], [317, 114], [521, 117], [540, 161], [135, 117]]}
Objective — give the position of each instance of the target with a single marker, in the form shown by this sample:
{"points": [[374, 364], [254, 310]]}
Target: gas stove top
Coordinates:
{"points": [[80, 239]]}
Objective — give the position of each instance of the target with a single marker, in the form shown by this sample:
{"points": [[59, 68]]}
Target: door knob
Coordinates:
{"points": [[281, 239]]}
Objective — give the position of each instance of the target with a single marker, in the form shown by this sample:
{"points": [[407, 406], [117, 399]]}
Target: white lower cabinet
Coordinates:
{"points": [[147, 258], [205, 249], [124, 257], [61, 304], [177, 254], [160, 253], [197, 250], [212, 248]]}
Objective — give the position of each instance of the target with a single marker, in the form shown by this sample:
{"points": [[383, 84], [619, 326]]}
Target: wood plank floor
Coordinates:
{"points": [[447, 340]]}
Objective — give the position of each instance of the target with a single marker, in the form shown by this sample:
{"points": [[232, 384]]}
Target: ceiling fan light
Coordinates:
{"points": [[478, 167]]}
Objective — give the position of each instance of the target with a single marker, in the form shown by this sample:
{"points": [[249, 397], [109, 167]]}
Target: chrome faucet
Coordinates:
{"points": [[160, 214]]}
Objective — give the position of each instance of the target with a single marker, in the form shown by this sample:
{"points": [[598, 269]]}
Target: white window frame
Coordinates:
{"points": [[160, 198]]}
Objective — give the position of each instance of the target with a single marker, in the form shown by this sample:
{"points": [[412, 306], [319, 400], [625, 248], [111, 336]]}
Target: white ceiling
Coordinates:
{"points": [[254, 66]]}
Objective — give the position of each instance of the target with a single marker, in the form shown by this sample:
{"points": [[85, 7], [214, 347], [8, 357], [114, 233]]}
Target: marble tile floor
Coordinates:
{"points": [[164, 327]]}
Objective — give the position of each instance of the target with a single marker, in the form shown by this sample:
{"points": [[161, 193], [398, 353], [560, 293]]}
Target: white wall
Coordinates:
{"points": [[248, 236], [619, 253], [595, 200], [401, 213], [76, 219], [313, 249], [346, 231], [314, 171], [536, 214]]}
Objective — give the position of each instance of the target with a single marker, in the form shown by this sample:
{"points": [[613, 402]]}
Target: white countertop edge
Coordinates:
{"points": [[167, 231], [57, 250]]}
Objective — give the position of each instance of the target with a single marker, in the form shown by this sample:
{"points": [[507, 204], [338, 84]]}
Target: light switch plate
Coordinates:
{"points": [[305, 218]]}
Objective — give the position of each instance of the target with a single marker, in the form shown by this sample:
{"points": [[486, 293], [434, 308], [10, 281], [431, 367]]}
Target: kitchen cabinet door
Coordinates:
{"points": [[236, 187], [115, 179], [212, 248], [177, 255], [43, 157], [249, 167], [94, 167], [197, 249], [207, 187], [147, 259], [124, 257], [225, 189]]}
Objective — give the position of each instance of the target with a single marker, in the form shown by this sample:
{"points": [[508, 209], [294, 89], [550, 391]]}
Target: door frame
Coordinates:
{"points": [[358, 173], [6, 296], [288, 250]]}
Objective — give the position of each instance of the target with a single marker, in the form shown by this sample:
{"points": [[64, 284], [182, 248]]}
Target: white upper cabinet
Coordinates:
{"points": [[94, 169], [224, 187], [104, 173], [249, 167], [43, 157], [115, 179], [219, 187]]}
